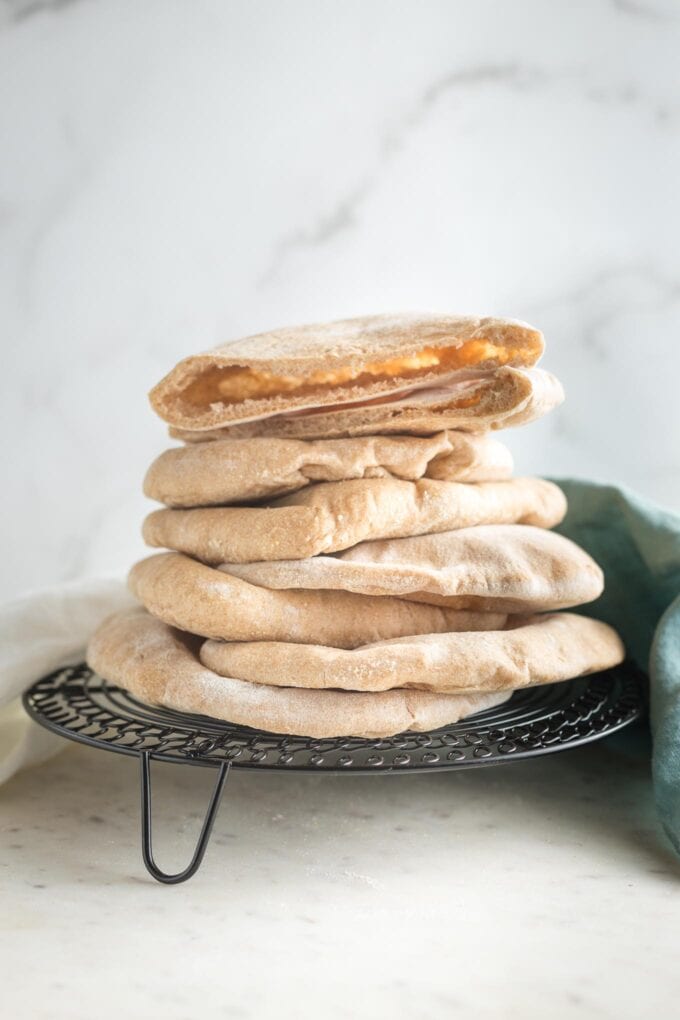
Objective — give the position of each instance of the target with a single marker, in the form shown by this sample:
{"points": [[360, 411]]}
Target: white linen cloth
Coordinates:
{"points": [[40, 632]]}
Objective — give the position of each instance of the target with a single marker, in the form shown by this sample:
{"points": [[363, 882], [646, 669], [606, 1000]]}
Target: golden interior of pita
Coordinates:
{"points": [[236, 383]]}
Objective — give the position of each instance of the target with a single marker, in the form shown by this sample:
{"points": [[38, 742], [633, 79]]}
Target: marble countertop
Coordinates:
{"points": [[531, 889]]}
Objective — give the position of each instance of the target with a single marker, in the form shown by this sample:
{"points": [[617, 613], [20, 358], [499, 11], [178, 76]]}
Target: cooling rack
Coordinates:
{"points": [[78, 704]]}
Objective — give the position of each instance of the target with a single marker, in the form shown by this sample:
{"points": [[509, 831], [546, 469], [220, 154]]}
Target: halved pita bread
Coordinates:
{"points": [[160, 666], [198, 599], [330, 516], [354, 361], [511, 568], [238, 470], [532, 650]]}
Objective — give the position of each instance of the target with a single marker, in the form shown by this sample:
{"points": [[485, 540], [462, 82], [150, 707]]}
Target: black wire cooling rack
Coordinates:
{"points": [[78, 704]]}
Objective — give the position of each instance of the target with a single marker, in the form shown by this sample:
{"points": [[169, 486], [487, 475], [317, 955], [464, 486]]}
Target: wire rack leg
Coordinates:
{"points": [[147, 850]]}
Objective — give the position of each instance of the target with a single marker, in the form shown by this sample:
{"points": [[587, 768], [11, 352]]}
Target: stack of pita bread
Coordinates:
{"points": [[349, 554]]}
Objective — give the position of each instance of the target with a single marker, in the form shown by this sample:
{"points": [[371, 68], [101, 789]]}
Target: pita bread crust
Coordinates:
{"points": [[330, 516], [513, 568], [534, 650], [351, 343], [236, 470], [506, 398], [154, 663], [195, 598]]}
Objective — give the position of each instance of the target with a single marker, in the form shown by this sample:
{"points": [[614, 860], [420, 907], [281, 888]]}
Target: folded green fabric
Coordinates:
{"points": [[637, 544]]}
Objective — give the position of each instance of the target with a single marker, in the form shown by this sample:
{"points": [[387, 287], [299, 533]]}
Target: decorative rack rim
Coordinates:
{"points": [[533, 722]]}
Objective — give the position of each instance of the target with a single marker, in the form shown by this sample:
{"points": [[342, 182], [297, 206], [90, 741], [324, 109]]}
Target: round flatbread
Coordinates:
{"points": [[507, 568], [160, 666], [330, 516], [532, 650], [199, 599], [239, 470]]}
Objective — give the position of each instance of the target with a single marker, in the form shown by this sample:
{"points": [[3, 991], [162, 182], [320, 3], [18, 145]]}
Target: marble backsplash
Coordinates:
{"points": [[174, 174]]}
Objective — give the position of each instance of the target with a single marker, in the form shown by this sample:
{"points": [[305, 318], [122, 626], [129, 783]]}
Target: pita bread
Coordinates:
{"points": [[198, 599], [473, 402], [327, 365], [330, 516], [237, 470], [159, 666], [533, 650], [511, 568]]}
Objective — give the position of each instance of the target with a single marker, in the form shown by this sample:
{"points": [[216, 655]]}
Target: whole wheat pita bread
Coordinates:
{"points": [[330, 516], [201, 600], [238, 470], [477, 402], [511, 568], [533, 650], [159, 666], [330, 364]]}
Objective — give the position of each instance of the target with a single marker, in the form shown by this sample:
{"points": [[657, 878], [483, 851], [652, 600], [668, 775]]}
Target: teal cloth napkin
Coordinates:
{"points": [[637, 544]]}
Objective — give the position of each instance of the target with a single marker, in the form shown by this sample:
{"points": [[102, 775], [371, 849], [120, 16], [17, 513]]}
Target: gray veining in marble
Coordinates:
{"points": [[176, 174]]}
